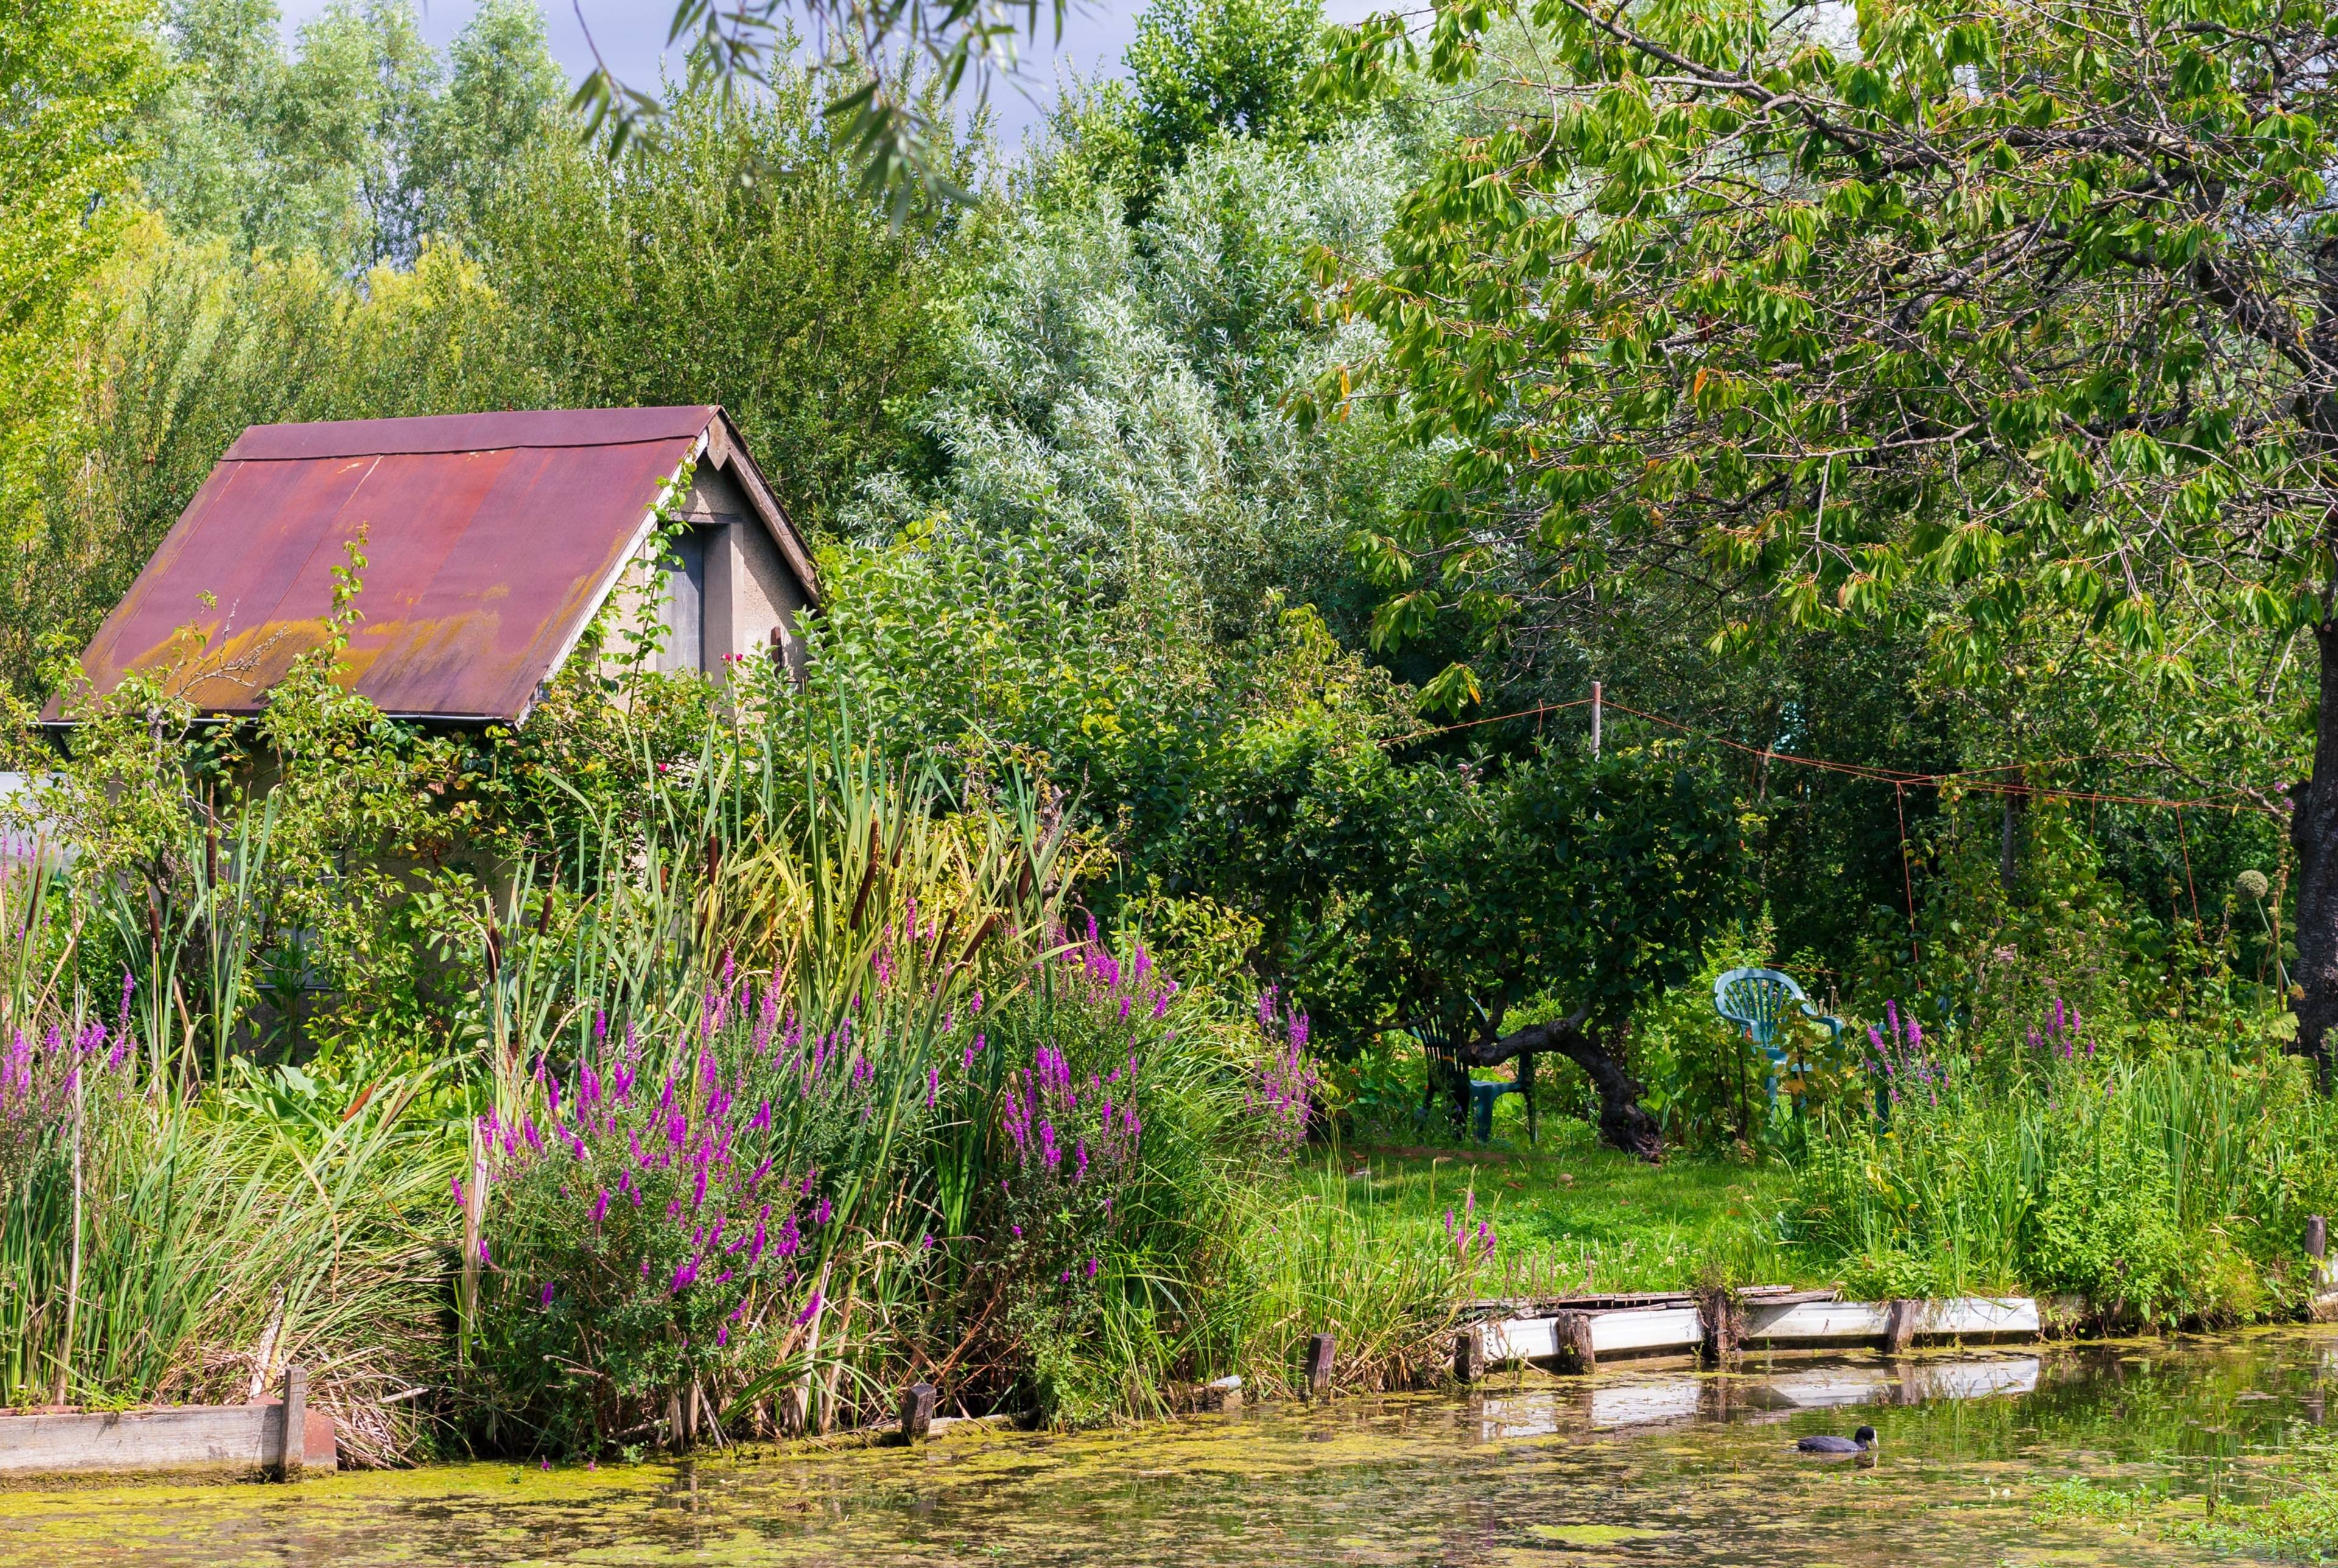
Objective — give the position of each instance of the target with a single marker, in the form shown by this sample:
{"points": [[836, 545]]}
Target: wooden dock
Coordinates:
{"points": [[1581, 1332]]}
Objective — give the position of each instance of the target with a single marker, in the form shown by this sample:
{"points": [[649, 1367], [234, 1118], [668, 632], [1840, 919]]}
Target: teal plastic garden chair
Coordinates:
{"points": [[1757, 1000]]}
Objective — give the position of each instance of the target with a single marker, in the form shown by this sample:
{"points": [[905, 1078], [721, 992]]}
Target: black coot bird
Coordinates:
{"points": [[1860, 1442]]}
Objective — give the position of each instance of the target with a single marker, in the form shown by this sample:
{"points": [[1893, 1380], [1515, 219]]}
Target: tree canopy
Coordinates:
{"points": [[2031, 305]]}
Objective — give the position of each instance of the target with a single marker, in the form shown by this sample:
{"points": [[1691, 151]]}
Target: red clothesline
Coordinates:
{"points": [[1970, 779]]}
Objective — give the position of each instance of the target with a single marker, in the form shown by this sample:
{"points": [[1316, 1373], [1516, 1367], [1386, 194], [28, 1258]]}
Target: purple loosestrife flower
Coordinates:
{"points": [[457, 1182], [810, 1311], [601, 1208], [822, 1210], [1094, 1267], [544, 1299]]}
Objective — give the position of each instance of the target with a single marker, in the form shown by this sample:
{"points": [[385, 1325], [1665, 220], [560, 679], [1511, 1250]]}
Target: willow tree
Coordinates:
{"points": [[2033, 303]]}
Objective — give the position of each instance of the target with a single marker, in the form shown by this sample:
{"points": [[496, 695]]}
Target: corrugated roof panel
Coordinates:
{"points": [[490, 540]]}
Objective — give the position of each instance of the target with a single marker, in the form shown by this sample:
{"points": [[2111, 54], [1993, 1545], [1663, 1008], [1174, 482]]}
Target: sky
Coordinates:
{"points": [[631, 36]]}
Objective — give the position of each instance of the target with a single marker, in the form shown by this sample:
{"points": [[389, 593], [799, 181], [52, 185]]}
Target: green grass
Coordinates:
{"points": [[1570, 1215]]}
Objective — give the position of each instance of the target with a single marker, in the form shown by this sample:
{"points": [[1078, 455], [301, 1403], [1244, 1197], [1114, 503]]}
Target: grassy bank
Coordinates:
{"points": [[2158, 1188], [1571, 1215]]}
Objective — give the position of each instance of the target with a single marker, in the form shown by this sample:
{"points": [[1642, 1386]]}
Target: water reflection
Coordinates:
{"points": [[1648, 1466], [1627, 1398]]}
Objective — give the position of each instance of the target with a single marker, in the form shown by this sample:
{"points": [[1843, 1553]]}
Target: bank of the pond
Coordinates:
{"points": [[2165, 1190], [1629, 1466]]}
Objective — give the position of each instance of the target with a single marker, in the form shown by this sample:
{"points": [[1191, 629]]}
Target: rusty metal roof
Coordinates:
{"points": [[490, 541]]}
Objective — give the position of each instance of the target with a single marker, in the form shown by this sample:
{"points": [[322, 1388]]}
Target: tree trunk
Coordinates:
{"points": [[2314, 832], [1599, 1052]]}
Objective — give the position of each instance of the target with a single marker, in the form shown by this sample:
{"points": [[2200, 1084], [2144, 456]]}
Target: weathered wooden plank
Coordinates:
{"points": [[239, 1439], [1654, 1329], [1814, 1320], [1521, 1339], [1980, 1314]]}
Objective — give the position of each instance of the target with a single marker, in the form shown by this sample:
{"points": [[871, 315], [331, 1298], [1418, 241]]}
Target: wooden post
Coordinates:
{"points": [[917, 1411], [1469, 1353], [1320, 1348], [2317, 1236], [1595, 706], [1717, 1317], [1573, 1332], [1900, 1320], [294, 1452]]}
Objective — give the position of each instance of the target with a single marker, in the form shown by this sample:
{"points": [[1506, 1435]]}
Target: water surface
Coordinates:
{"points": [[1632, 1468]]}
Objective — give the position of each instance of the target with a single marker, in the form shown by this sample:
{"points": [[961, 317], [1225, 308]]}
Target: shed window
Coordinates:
{"points": [[685, 604]]}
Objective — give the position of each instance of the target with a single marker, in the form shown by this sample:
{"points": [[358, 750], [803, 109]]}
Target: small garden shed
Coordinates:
{"points": [[492, 541]]}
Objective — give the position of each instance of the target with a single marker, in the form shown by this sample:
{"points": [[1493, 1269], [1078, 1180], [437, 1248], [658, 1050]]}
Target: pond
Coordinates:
{"points": [[1632, 1468]]}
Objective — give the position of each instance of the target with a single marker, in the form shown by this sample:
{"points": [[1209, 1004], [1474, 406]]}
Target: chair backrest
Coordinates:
{"points": [[1758, 999]]}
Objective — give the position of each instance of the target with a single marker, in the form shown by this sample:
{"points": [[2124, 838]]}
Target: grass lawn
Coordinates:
{"points": [[1571, 1215]]}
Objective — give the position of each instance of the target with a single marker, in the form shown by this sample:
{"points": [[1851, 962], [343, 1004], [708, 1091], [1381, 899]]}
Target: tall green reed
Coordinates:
{"points": [[2162, 1188]]}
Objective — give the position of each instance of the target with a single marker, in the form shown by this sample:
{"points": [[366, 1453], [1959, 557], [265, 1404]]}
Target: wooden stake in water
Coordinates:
{"points": [[917, 1411], [1470, 1354], [1320, 1348], [293, 1452]]}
